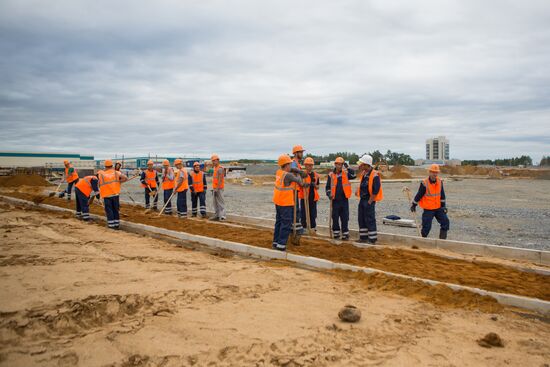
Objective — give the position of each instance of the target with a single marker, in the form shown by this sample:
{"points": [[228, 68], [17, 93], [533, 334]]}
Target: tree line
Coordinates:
{"points": [[524, 160], [390, 157]]}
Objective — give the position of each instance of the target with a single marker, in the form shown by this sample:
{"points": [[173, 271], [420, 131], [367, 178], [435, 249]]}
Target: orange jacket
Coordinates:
{"points": [[85, 185], [307, 180], [198, 181], [283, 195], [109, 183], [218, 179], [150, 178], [70, 177], [168, 183], [432, 198], [185, 184], [346, 185], [373, 174]]}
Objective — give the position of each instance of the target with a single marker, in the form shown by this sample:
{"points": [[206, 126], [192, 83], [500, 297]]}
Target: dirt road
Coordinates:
{"points": [[75, 294]]}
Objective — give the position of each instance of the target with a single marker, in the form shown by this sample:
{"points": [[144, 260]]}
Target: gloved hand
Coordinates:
{"points": [[346, 164], [413, 208], [445, 209]]}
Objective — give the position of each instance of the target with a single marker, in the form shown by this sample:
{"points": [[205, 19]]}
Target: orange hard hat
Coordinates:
{"points": [[65, 162], [178, 161], [297, 148], [339, 160], [150, 162], [434, 168], [165, 162], [108, 163], [283, 159], [196, 164], [309, 160], [214, 157]]}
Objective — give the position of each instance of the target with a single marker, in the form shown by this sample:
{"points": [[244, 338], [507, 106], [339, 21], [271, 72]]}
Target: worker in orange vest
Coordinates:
{"points": [[198, 179], [311, 185], [283, 198], [109, 190], [431, 198], [183, 183], [150, 182], [338, 190], [168, 183], [85, 188], [71, 177], [297, 170], [218, 184], [369, 192]]}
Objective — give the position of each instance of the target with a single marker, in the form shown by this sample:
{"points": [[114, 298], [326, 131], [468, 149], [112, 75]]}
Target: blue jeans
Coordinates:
{"points": [[167, 194], [312, 213], [82, 207], [283, 226], [201, 198], [427, 218], [181, 203], [367, 220], [340, 213], [112, 206]]}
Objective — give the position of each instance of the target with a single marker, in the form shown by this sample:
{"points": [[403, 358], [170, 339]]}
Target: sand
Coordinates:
{"points": [[23, 180], [79, 294]]}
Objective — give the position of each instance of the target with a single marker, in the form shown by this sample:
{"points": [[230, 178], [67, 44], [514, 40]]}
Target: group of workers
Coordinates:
{"points": [[295, 195]]}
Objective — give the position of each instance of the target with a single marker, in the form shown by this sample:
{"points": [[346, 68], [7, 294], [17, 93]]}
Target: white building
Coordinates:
{"points": [[47, 160], [437, 149]]}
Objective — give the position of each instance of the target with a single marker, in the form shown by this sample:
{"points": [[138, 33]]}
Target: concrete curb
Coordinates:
{"points": [[533, 304]]}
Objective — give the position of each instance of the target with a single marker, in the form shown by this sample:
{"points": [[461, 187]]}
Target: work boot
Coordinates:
{"points": [[372, 242], [214, 219], [363, 240], [442, 234], [194, 215], [345, 237], [222, 219], [61, 195]]}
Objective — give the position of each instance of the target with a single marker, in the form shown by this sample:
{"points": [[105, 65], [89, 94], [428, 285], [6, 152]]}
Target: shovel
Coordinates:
{"points": [[147, 211], [306, 203], [52, 194], [407, 192], [166, 204]]}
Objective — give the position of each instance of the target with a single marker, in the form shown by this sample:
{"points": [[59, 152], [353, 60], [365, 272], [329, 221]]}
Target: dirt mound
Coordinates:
{"points": [[399, 172], [543, 174], [491, 340], [468, 170], [23, 180]]}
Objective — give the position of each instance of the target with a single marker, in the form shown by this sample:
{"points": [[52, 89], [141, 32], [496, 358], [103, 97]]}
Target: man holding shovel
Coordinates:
{"points": [[198, 194], [369, 192], [84, 188], [150, 182], [296, 168], [182, 185], [338, 190], [310, 190], [109, 190], [71, 177], [218, 185], [168, 183]]}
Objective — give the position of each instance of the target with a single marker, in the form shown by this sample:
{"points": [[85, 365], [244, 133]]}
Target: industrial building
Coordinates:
{"points": [[44, 160], [141, 162], [437, 149]]}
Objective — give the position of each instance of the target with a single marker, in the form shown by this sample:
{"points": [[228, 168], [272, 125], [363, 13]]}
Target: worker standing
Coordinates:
{"points": [[311, 186], [338, 190], [283, 198], [168, 183], [198, 194], [369, 192], [150, 182], [85, 188], [183, 182], [218, 184], [71, 177], [109, 190], [431, 198], [296, 168]]}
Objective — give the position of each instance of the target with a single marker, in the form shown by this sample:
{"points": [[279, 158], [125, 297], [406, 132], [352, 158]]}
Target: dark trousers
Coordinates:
{"points": [[167, 194], [283, 226], [340, 214], [201, 198], [69, 188], [181, 204], [427, 218], [148, 198], [82, 207], [299, 228], [312, 213], [112, 206], [367, 220]]}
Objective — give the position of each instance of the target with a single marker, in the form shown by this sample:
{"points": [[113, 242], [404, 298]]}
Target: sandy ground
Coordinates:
{"points": [[78, 294]]}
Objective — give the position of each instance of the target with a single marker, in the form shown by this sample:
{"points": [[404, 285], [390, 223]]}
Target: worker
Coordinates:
{"points": [[183, 183], [118, 166], [283, 198], [199, 190], [311, 186], [71, 177], [218, 184], [150, 182], [168, 183], [338, 190], [296, 169], [431, 198], [85, 188], [109, 190], [369, 192]]}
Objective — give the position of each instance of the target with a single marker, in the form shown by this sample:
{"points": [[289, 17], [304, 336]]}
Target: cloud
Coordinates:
{"points": [[250, 79]]}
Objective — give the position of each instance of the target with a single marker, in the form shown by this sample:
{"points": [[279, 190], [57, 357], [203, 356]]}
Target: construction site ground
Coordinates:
{"points": [[77, 294]]}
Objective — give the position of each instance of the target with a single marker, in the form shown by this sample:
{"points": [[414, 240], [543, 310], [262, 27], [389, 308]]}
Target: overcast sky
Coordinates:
{"points": [[252, 78]]}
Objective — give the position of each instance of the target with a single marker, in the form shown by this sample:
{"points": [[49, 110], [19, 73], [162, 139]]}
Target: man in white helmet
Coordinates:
{"points": [[369, 192]]}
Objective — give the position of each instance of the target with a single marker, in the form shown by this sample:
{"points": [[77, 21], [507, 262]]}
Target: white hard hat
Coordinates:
{"points": [[366, 159]]}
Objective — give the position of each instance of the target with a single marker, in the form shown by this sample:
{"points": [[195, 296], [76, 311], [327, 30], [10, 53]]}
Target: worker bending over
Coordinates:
{"points": [[431, 198], [182, 185], [150, 182], [198, 179], [296, 169], [71, 177], [168, 183], [218, 184], [284, 200], [109, 190], [369, 192], [85, 188], [311, 188], [338, 190]]}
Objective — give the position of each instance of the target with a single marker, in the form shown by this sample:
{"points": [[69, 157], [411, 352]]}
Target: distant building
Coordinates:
{"points": [[437, 149], [141, 162], [45, 160]]}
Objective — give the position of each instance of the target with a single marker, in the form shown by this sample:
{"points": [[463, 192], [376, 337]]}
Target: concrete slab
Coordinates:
{"points": [[311, 261], [545, 258], [342, 266], [266, 253]]}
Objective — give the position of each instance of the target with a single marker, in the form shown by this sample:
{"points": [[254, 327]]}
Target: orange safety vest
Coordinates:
{"points": [[346, 185], [307, 180], [373, 174], [150, 178], [85, 185], [167, 183], [109, 183], [73, 176], [283, 195], [198, 181], [432, 198], [218, 182], [185, 184]]}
